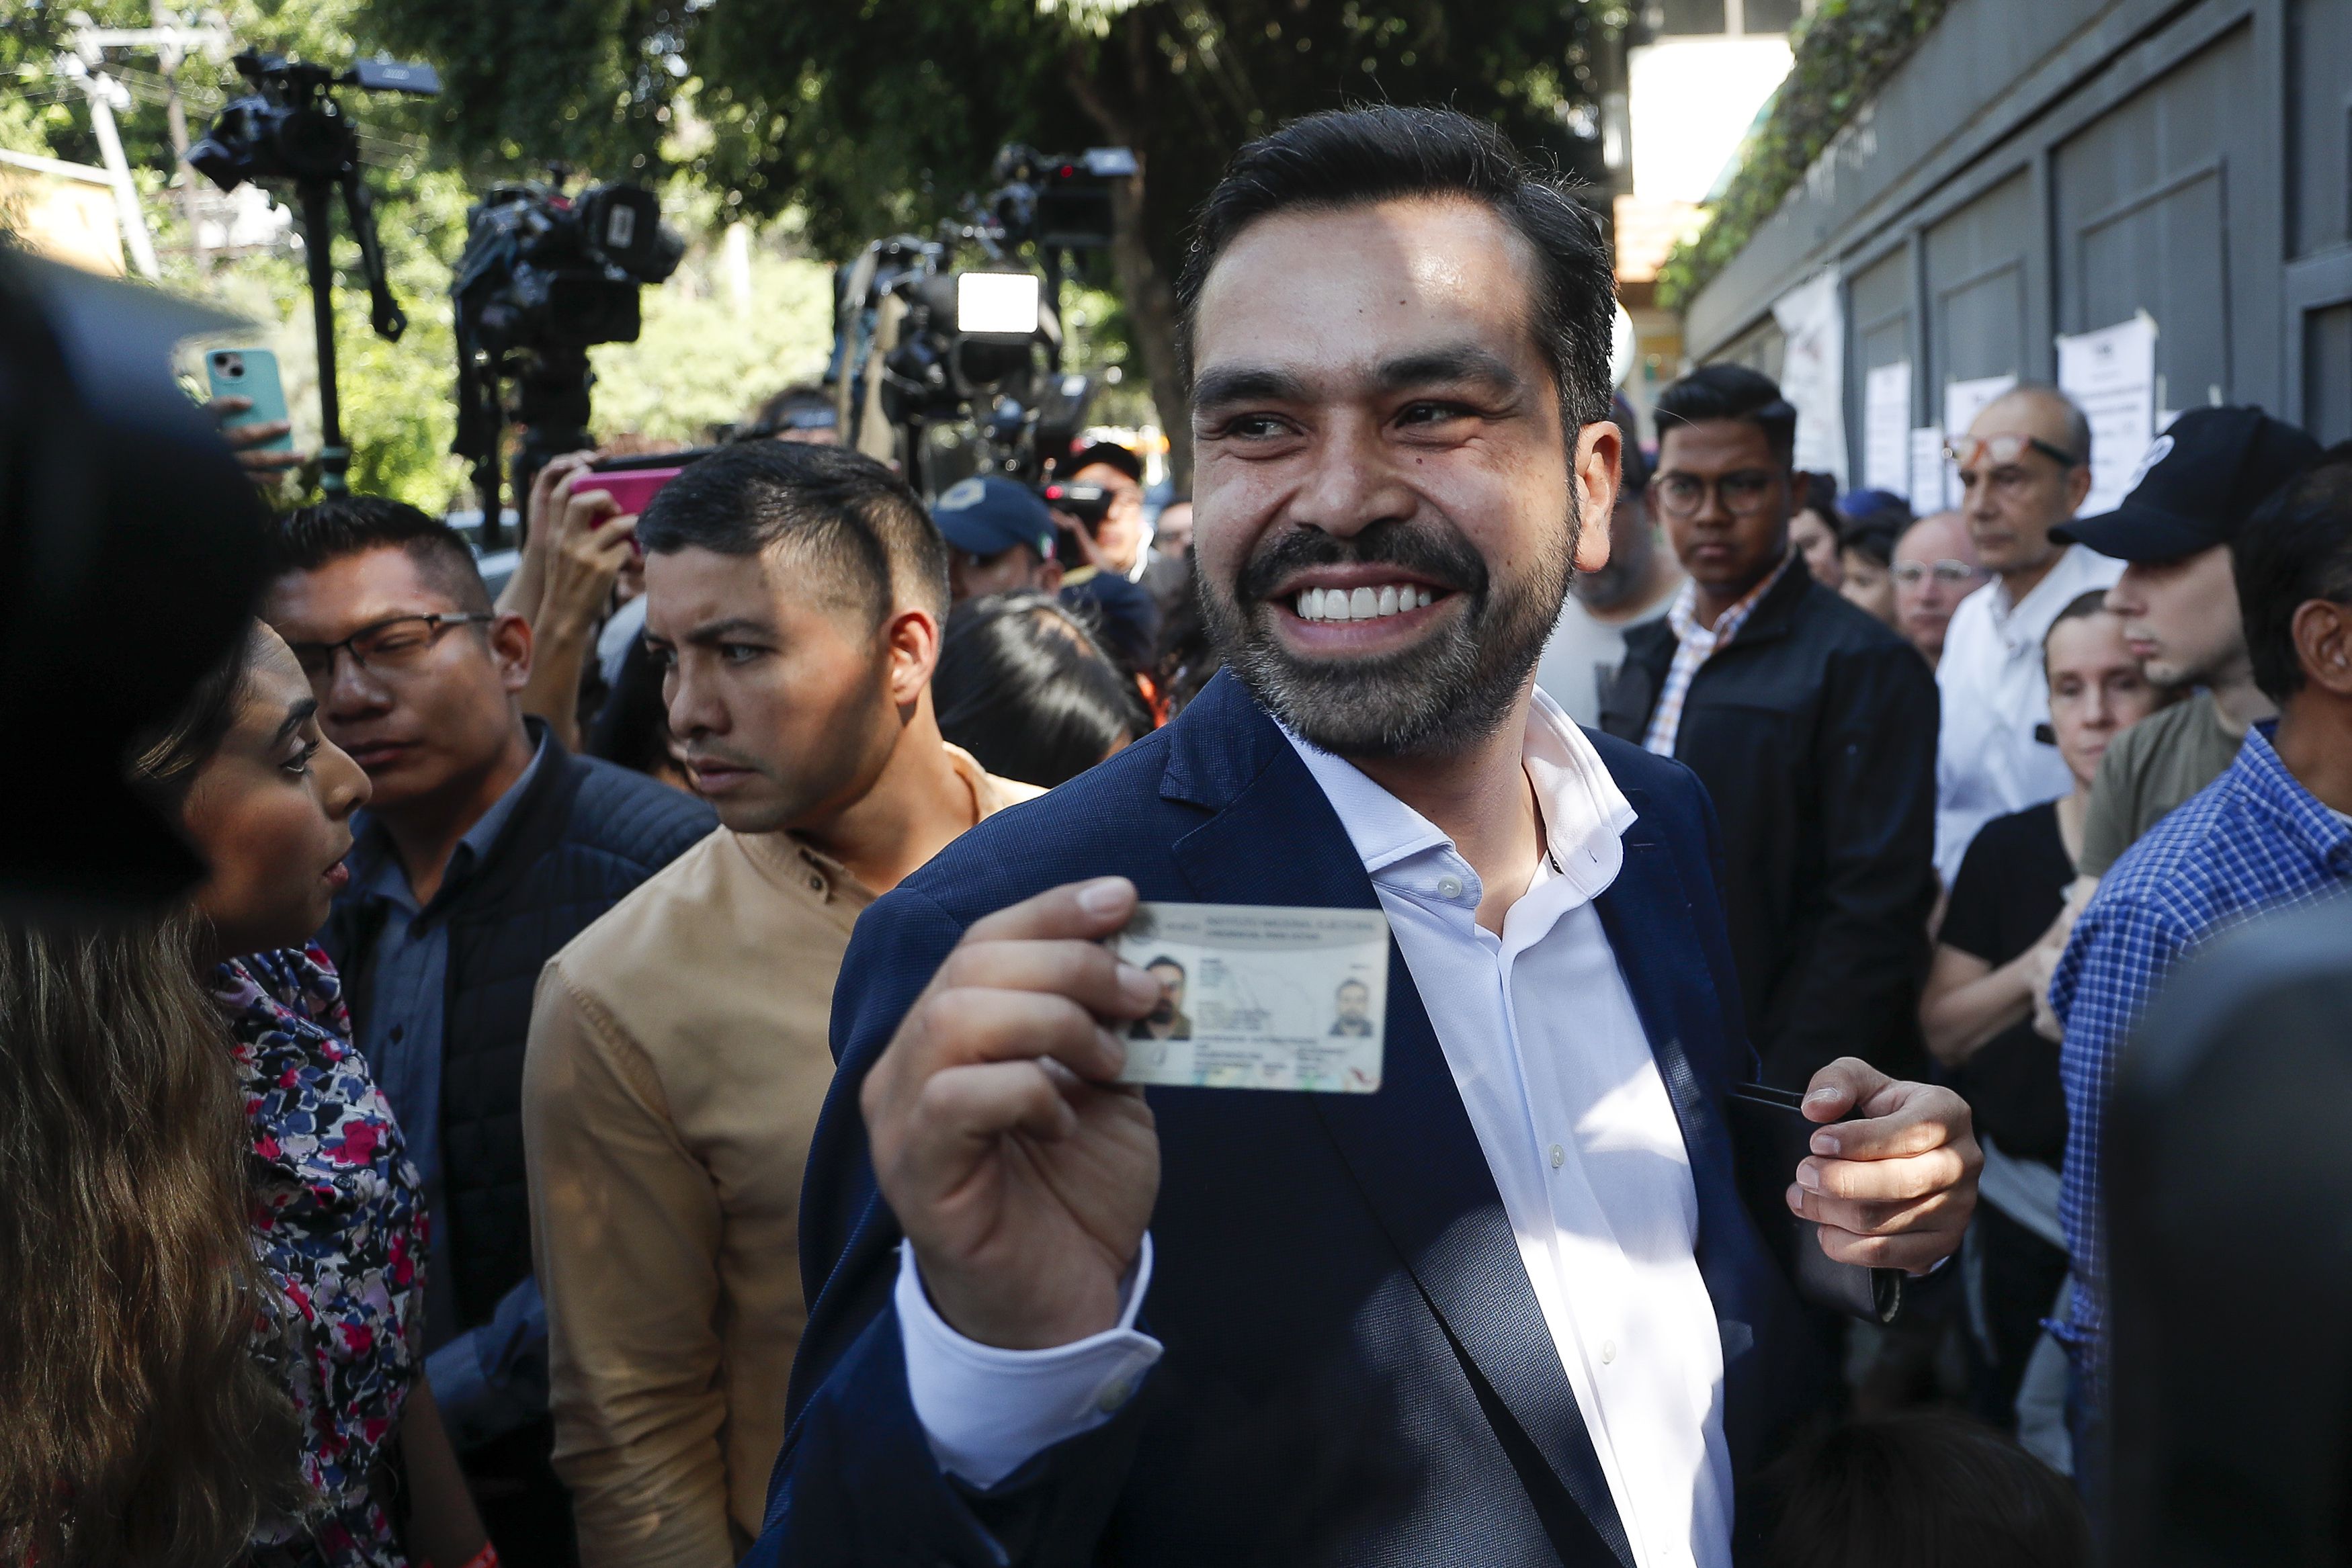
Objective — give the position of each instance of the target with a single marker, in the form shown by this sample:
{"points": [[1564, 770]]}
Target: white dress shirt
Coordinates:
{"points": [[1994, 693], [1538, 1029]]}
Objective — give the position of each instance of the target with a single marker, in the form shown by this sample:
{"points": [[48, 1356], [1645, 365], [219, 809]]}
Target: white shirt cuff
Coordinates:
{"points": [[987, 1412]]}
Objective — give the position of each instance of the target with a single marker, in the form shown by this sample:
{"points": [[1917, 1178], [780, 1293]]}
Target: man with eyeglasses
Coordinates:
{"points": [[1811, 724], [1934, 567], [2025, 468], [486, 847]]}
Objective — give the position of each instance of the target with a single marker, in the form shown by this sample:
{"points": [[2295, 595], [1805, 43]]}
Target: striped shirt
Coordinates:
{"points": [[1694, 645], [2251, 840]]}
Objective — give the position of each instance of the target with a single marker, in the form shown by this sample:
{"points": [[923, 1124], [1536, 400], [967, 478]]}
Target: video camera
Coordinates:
{"points": [[289, 128], [543, 276], [961, 370]]}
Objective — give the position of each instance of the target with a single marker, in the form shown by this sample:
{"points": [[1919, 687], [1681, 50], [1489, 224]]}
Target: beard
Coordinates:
{"points": [[1449, 691]]}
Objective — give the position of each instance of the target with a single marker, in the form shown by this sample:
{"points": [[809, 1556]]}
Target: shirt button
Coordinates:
{"points": [[1608, 1353], [1558, 1156], [1113, 1396], [1449, 887]]}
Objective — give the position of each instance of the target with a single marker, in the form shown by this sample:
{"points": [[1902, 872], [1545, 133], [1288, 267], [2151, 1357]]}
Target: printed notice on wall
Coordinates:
{"points": [[1812, 370], [1886, 428], [1963, 400], [2111, 374], [1931, 472]]}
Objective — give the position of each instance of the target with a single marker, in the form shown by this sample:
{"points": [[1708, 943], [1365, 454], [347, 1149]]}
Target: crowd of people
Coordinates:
{"points": [[633, 1087]]}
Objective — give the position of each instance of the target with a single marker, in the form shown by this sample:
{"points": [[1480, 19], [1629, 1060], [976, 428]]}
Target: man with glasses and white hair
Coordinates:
{"points": [[486, 847], [1934, 567], [1811, 725], [2025, 468]]}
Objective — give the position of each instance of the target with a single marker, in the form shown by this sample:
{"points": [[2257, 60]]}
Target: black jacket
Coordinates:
{"points": [[1814, 730], [583, 834]]}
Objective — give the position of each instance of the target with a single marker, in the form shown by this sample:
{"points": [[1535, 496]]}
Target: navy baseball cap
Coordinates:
{"points": [[2201, 479], [990, 514]]}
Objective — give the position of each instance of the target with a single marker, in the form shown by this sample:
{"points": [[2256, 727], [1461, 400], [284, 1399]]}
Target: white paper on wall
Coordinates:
{"points": [[1886, 428], [1930, 486], [2111, 376], [1812, 370]]}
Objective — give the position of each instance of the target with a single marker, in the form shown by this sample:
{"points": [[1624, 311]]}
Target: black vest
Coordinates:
{"points": [[583, 835]]}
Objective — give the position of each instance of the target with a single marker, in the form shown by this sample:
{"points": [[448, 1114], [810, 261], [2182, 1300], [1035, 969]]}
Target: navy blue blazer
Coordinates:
{"points": [[1357, 1369]]}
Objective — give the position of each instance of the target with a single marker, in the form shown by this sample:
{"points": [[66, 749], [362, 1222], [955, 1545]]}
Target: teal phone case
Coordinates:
{"points": [[250, 373]]}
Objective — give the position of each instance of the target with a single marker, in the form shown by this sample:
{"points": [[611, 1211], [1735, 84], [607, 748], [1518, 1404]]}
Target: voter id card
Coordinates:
{"points": [[1257, 995]]}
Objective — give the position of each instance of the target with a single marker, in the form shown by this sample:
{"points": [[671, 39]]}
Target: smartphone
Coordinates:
{"points": [[250, 373], [1770, 1137], [632, 482]]}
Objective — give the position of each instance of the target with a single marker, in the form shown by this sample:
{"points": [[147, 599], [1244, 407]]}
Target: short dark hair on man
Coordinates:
{"points": [[343, 526], [839, 511], [1729, 392], [2297, 547], [1355, 157], [1927, 1489], [779, 411]]}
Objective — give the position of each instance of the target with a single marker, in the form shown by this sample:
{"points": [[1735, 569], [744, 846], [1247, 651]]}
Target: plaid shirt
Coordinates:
{"points": [[1694, 645], [2254, 839]]}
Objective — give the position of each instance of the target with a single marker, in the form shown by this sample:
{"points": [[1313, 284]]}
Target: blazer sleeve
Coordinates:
{"points": [[856, 1482], [1856, 991]]}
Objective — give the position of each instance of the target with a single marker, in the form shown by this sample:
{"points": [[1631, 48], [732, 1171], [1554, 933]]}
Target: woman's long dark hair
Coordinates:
{"points": [[136, 1426], [1024, 687]]}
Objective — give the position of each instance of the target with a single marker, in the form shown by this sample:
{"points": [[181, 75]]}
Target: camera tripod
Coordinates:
{"points": [[385, 314]]}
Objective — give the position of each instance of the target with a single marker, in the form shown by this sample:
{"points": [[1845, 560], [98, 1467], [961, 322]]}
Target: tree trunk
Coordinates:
{"points": [[1144, 285]]}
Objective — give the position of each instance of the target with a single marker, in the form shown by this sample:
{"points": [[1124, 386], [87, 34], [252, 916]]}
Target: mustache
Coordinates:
{"points": [[1440, 554]]}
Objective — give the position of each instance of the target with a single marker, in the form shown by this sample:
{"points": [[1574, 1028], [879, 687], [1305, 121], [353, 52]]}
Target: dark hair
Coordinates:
{"points": [[1874, 537], [777, 414], [311, 537], [1820, 496], [1729, 392], [1024, 687], [1355, 157], [1633, 469], [1109, 454], [2297, 547], [1925, 1491], [837, 509], [1165, 962], [164, 762]]}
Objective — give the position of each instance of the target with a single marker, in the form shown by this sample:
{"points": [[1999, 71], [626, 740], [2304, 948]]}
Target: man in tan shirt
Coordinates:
{"points": [[678, 1054]]}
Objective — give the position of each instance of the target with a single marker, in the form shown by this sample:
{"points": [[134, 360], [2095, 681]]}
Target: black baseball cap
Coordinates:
{"points": [[989, 515], [2201, 479], [1125, 459]]}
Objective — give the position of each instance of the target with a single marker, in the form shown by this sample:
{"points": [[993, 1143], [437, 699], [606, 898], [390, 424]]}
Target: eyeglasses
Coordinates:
{"points": [[1743, 494], [1968, 451], [1912, 573], [392, 647]]}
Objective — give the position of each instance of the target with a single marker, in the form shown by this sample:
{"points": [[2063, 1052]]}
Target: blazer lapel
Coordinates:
{"points": [[1274, 839]]}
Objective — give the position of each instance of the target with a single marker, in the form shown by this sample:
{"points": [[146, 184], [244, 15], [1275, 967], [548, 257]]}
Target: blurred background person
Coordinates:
{"points": [[1813, 728], [1117, 543], [575, 553], [804, 412], [1992, 960], [1934, 567], [1000, 537], [1588, 642], [2024, 468], [486, 846], [1866, 564], [2179, 599], [678, 1054], [1167, 572], [1023, 687], [1815, 528], [2274, 830], [1924, 1490]]}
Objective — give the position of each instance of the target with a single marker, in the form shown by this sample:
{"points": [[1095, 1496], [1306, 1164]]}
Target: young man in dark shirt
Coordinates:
{"points": [[486, 847], [1811, 724]]}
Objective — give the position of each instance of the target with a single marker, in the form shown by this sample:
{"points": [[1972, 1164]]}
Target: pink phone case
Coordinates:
{"points": [[630, 488]]}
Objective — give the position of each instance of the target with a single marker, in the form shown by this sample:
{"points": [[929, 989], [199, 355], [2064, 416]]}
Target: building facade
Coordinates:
{"points": [[2039, 169]]}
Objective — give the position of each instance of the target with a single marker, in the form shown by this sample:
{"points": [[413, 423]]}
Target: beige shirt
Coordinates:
{"points": [[676, 1064]]}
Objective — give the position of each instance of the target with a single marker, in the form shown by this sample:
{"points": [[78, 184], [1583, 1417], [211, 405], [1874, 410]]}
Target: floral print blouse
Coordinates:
{"points": [[340, 1224]]}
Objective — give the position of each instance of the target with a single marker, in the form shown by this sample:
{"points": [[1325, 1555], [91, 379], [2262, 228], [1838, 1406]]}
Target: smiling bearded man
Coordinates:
{"points": [[1515, 1296]]}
